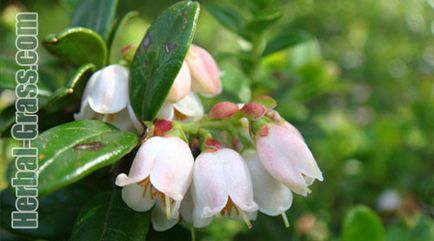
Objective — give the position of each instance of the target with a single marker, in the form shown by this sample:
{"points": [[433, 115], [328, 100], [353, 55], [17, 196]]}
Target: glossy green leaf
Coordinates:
{"points": [[97, 15], [78, 46], [228, 18], [362, 224], [160, 56], [71, 92], [73, 150], [285, 40], [56, 212], [115, 54], [106, 217]]}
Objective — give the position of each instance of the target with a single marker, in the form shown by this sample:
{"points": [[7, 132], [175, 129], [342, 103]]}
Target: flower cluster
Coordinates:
{"points": [[234, 161]]}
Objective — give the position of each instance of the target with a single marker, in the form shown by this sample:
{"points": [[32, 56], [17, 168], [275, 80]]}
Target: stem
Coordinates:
{"points": [[193, 234], [285, 220]]}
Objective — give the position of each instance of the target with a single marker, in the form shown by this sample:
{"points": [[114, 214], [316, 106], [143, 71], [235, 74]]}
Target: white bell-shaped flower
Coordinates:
{"points": [[222, 184], [273, 198], [161, 172], [106, 97], [285, 155]]}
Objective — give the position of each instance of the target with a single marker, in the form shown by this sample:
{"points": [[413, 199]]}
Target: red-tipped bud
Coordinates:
{"points": [[223, 110], [211, 145], [161, 127], [274, 115], [266, 101], [253, 110]]}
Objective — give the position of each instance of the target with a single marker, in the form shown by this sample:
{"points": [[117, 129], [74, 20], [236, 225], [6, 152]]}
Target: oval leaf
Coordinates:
{"points": [[79, 46], [362, 224], [160, 56], [97, 15], [106, 217], [285, 40], [73, 150]]}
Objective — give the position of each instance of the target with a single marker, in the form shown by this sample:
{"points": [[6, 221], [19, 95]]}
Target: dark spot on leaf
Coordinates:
{"points": [[93, 146], [169, 47], [147, 41]]}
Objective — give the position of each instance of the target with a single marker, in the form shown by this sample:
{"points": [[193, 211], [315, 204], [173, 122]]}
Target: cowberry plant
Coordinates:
{"points": [[140, 150]]}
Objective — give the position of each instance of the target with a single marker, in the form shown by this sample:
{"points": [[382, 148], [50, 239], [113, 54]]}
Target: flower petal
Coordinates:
{"points": [[272, 197], [86, 113], [160, 222], [137, 198], [238, 180], [296, 150], [186, 208], [142, 163], [191, 106], [166, 112], [172, 170], [209, 190], [204, 71], [109, 91], [181, 84]]}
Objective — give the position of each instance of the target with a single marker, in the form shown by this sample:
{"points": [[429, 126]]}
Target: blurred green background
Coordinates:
{"points": [[361, 90]]}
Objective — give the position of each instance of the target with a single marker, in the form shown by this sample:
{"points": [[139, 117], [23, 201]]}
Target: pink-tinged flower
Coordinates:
{"points": [[285, 155], [273, 198], [181, 85], [222, 184], [106, 97], [204, 72], [189, 108], [161, 173]]}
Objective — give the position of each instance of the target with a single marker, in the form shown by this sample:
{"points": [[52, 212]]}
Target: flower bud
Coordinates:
{"points": [[223, 110], [253, 110], [204, 72], [181, 85]]}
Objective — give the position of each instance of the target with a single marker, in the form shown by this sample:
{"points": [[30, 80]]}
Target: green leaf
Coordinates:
{"points": [[115, 54], [285, 40], [261, 23], [97, 15], [73, 150], [362, 224], [78, 46], [56, 212], [228, 18], [106, 217], [160, 56], [71, 92], [7, 118]]}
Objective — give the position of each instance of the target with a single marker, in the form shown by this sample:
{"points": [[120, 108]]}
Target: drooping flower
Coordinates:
{"points": [[287, 158], [161, 173], [222, 184], [204, 72], [273, 198], [106, 97]]}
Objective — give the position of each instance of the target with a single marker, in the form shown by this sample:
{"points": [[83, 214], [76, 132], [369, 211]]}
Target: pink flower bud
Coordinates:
{"points": [[161, 127], [181, 85], [223, 110], [204, 72], [254, 110]]}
